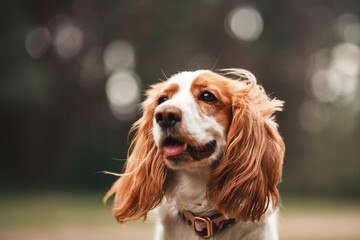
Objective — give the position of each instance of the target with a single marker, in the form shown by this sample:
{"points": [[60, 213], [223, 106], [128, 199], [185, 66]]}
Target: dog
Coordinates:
{"points": [[207, 154]]}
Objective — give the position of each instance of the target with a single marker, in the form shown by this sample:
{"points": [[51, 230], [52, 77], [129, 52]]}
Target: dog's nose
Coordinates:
{"points": [[168, 116]]}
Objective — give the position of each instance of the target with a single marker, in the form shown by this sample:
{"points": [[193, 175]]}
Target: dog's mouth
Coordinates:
{"points": [[176, 150]]}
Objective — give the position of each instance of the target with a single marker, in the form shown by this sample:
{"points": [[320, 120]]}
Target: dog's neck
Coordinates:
{"points": [[188, 191]]}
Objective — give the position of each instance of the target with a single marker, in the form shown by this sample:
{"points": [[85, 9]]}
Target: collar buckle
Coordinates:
{"points": [[203, 220]]}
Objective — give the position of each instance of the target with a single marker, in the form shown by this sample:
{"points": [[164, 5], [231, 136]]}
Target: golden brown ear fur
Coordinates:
{"points": [[141, 188], [244, 183]]}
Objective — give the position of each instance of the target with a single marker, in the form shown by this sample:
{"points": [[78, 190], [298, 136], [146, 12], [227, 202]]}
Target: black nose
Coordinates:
{"points": [[168, 116]]}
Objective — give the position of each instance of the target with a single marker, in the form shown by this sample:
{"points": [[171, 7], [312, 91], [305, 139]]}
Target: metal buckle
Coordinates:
{"points": [[208, 223]]}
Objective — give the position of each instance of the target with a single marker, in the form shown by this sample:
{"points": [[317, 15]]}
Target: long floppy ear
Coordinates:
{"points": [[243, 185], [141, 187]]}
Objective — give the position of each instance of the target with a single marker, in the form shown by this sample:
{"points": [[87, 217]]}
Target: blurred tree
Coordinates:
{"points": [[59, 130]]}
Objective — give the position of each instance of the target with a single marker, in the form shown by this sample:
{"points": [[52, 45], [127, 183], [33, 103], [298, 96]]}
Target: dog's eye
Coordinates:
{"points": [[162, 99], [207, 97]]}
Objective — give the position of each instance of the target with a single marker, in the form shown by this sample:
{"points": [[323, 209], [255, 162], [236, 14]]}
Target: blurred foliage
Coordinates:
{"points": [[57, 131]]}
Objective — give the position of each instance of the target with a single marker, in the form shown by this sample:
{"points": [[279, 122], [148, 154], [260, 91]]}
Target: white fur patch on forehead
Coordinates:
{"points": [[184, 79]]}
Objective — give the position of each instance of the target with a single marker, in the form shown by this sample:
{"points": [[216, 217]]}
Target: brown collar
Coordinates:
{"points": [[204, 226]]}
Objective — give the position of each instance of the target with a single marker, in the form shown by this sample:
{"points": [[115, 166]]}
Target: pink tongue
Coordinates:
{"points": [[173, 150]]}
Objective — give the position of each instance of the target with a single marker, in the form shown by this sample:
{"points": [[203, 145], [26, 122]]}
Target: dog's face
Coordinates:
{"points": [[191, 119]]}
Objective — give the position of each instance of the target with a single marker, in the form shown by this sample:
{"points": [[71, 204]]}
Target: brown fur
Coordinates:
{"points": [[244, 182], [141, 188], [219, 87]]}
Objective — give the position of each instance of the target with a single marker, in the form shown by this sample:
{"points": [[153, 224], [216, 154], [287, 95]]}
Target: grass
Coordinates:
{"points": [[318, 204], [85, 212], [44, 209]]}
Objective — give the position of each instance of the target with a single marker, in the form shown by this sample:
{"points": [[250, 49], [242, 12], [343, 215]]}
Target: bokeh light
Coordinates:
{"points": [[334, 79], [37, 42], [70, 92], [244, 23], [119, 55], [347, 27], [335, 74], [68, 40], [352, 33], [123, 94], [346, 58], [325, 85]]}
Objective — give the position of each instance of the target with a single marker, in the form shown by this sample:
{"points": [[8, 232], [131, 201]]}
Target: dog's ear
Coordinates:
{"points": [[141, 187], [243, 185]]}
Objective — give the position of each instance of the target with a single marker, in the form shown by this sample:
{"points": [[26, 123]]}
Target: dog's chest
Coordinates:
{"points": [[188, 191]]}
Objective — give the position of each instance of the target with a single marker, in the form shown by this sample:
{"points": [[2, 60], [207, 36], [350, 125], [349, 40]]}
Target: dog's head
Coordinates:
{"points": [[192, 116], [205, 120]]}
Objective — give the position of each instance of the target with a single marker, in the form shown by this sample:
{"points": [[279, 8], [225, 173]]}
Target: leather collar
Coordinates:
{"points": [[204, 226]]}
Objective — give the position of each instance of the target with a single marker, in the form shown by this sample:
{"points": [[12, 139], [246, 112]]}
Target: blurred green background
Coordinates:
{"points": [[73, 73]]}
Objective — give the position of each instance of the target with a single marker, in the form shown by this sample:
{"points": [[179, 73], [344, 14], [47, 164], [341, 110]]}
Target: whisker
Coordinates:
{"points": [[198, 66], [164, 73], [217, 60]]}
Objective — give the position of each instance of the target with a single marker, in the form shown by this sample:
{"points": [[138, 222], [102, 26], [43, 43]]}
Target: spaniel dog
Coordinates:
{"points": [[207, 155]]}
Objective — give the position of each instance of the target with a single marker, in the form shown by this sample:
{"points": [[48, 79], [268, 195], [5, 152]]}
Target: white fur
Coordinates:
{"points": [[201, 128], [187, 185], [187, 190]]}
